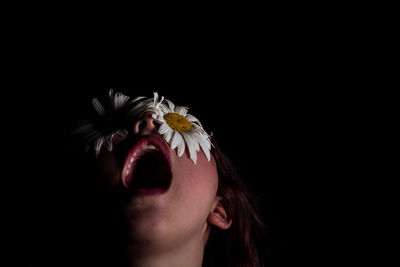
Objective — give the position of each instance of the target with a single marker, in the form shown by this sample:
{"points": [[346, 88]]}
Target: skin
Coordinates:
{"points": [[169, 229]]}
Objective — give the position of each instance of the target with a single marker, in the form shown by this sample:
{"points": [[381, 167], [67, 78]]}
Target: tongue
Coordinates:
{"points": [[152, 171]]}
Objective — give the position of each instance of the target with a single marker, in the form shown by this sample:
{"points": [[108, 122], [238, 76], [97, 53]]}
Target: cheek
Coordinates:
{"points": [[204, 181], [197, 185]]}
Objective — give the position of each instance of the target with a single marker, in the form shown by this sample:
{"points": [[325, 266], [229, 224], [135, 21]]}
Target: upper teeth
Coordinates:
{"points": [[148, 147], [144, 147], [138, 151]]}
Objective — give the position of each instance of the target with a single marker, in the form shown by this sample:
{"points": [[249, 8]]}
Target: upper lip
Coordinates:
{"points": [[145, 141]]}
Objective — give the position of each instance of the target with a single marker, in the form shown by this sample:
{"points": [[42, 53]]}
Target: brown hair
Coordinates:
{"points": [[242, 245]]}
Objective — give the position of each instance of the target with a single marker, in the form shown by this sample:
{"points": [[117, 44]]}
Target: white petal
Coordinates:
{"points": [[98, 144], [136, 99], [205, 146], [170, 105], [192, 118], [108, 142], [155, 98], [207, 153], [198, 129], [181, 110], [165, 109], [158, 111], [138, 108], [176, 140], [190, 142], [168, 135], [181, 148], [120, 100], [156, 103], [157, 117], [193, 155], [204, 140], [164, 128], [98, 107], [194, 137]]}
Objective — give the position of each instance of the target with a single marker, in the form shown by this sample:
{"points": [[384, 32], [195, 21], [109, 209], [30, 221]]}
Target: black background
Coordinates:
{"points": [[279, 102]]}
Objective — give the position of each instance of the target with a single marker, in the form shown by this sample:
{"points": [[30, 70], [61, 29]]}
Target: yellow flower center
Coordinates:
{"points": [[177, 122]]}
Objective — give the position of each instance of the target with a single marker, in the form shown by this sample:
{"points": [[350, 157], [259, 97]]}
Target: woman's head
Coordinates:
{"points": [[167, 198], [173, 183]]}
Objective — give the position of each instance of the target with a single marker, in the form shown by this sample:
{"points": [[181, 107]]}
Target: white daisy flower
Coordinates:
{"points": [[181, 129], [110, 121]]}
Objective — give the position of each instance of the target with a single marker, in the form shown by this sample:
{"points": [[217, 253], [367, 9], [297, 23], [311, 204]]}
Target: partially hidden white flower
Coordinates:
{"points": [[100, 131], [181, 129]]}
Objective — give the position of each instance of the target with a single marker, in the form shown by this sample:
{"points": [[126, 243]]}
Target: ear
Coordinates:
{"points": [[218, 216]]}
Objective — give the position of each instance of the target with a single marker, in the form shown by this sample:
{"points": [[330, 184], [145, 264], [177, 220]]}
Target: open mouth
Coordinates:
{"points": [[147, 167]]}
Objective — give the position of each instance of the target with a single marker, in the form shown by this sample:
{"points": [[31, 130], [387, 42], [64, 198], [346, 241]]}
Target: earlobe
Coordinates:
{"points": [[218, 216]]}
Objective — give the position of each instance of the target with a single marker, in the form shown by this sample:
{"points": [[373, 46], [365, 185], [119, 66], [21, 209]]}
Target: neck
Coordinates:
{"points": [[188, 254]]}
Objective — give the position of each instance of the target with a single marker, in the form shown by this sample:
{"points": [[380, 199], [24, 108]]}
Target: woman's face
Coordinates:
{"points": [[167, 199]]}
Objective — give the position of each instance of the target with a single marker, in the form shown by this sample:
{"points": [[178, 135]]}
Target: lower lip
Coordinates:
{"points": [[150, 191]]}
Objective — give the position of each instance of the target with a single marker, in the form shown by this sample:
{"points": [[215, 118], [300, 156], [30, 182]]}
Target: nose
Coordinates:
{"points": [[146, 125]]}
